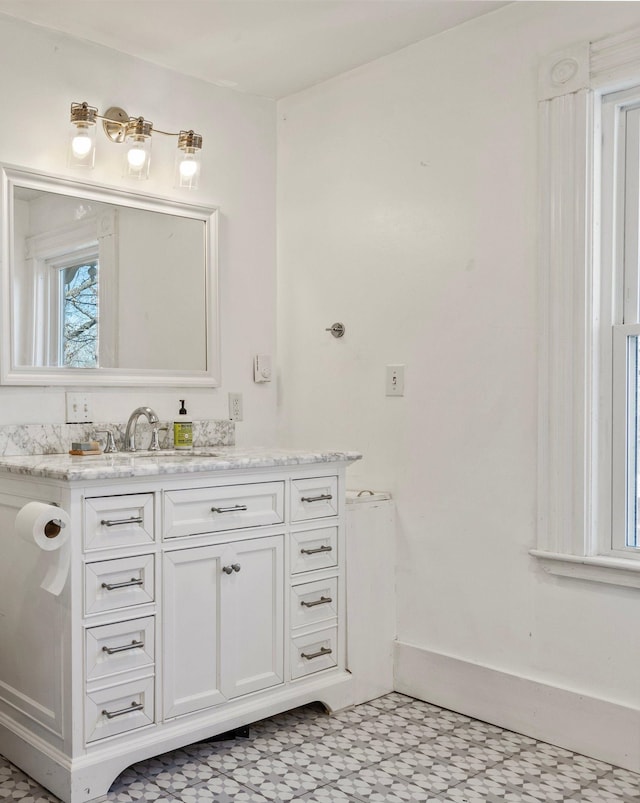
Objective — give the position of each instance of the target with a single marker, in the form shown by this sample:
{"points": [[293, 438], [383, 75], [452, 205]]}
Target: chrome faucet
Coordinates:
{"points": [[130, 432]]}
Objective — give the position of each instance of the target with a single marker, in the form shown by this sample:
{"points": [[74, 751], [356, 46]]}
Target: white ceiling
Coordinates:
{"points": [[266, 47]]}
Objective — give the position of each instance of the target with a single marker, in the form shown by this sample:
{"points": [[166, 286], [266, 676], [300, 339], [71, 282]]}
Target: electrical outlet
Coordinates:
{"points": [[235, 406], [395, 380], [78, 408]]}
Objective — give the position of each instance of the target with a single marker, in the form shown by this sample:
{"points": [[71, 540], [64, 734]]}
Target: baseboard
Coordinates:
{"points": [[587, 725]]}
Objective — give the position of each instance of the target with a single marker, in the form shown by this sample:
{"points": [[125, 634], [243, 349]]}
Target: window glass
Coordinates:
{"points": [[79, 318], [633, 383]]}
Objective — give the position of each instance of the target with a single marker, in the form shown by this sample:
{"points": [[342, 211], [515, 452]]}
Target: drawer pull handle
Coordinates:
{"points": [[323, 548], [322, 651], [133, 646], [321, 601], [235, 567], [135, 581], [234, 509], [133, 707], [320, 498], [117, 522]]}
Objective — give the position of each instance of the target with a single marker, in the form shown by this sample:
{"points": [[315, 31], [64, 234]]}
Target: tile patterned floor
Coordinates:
{"points": [[392, 750]]}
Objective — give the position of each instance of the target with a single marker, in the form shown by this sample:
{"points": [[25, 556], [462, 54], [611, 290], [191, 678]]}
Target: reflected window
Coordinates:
{"points": [[79, 315]]}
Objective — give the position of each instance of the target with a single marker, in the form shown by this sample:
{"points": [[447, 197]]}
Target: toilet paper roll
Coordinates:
{"points": [[49, 528]]}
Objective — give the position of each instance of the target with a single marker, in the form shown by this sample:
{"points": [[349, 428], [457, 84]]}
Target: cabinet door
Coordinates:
{"points": [[193, 580], [252, 622]]}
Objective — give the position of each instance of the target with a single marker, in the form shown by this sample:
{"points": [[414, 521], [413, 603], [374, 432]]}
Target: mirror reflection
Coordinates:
{"points": [[96, 285]]}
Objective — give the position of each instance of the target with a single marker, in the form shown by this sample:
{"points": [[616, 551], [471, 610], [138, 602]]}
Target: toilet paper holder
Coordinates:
{"points": [[53, 528]]}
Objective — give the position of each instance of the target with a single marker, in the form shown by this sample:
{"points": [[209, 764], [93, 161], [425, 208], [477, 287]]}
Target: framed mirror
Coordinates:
{"points": [[105, 287]]}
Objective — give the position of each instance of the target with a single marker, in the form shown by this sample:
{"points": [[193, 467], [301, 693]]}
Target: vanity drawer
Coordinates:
{"points": [[113, 584], [228, 507], [118, 709], [311, 603], [314, 498], [113, 521], [314, 652], [111, 649], [314, 549]]}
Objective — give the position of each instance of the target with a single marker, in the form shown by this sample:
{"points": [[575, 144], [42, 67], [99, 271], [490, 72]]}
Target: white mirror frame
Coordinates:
{"points": [[10, 374]]}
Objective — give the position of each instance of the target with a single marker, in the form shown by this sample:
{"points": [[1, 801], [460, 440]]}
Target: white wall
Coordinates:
{"points": [[43, 72], [407, 209]]}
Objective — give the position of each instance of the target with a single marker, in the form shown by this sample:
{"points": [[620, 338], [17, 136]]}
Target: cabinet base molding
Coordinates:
{"points": [[591, 726], [34, 756], [89, 776]]}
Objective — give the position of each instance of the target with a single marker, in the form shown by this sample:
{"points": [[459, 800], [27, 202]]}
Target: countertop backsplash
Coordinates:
{"points": [[33, 439]]}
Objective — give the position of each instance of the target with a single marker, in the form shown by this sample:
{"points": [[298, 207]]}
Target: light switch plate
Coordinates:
{"points": [[78, 408], [395, 380]]}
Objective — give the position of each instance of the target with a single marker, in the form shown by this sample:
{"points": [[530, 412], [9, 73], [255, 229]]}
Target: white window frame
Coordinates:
{"points": [[56, 268], [619, 317], [577, 314]]}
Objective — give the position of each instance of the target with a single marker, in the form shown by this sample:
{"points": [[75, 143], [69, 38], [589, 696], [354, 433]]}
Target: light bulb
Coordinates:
{"points": [[81, 144], [188, 167], [136, 156]]}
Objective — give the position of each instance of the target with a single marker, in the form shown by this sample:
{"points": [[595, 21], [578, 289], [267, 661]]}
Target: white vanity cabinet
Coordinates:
{"points": [[222, 622], [197, 601]]}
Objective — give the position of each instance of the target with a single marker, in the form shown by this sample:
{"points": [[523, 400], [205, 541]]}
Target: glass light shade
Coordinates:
{"points": [[138, 149], [82, 144], [187, 170]]}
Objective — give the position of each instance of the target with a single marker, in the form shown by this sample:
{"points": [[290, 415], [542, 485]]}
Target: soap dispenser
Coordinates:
{"points": [[182, 430]]}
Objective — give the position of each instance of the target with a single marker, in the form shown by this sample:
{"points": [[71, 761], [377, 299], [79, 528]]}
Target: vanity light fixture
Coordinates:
{"points": [[136, 133]]}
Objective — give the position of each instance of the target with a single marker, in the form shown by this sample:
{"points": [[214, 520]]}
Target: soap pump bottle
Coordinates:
{"points": [[182, 430]]}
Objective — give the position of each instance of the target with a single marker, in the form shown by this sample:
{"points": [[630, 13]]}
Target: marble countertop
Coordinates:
{"points": [[147, 464]]}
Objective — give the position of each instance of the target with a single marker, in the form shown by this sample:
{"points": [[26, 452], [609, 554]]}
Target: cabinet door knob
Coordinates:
{"points": [[227, 569], [235, 567]]}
